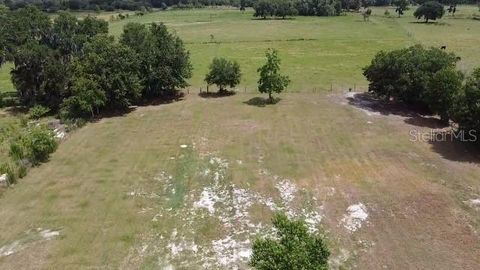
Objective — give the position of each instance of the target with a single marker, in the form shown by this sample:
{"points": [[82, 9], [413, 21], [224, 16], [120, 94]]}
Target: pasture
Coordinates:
{"points": [[190, 184]]}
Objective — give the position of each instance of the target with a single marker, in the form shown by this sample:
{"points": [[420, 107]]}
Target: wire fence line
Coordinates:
{"points": [[253, 90]]}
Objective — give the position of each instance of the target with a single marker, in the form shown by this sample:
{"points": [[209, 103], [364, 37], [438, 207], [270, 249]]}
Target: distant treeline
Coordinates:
{"points": [[303, 6]]}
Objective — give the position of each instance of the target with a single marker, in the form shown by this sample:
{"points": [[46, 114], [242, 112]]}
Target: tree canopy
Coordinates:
{"points": [[292, 248], [223, 73], [164, 62], [404, 74], [72, 63], [431, 10]]}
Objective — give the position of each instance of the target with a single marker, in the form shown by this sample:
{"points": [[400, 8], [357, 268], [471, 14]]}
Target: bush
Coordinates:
{"points": [[8, 169], [292, 248], [35, 144], [38, 111]]}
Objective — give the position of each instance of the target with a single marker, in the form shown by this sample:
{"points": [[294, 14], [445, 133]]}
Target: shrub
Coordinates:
{"points": [[38, 111], [293, 248], [35, 144], [7, 168]]}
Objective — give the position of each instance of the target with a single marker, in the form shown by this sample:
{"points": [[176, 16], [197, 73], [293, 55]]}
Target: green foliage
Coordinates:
{"points": [[164, 61], [404, 74], [107, 74], [38, 112], [35, 144], [441, 91], [9, 170], [431, 10], [466, 110], [42, 51], [401, 6], [86, 100], [293, 248], [284, 8], [223, 73], [270, 78]]}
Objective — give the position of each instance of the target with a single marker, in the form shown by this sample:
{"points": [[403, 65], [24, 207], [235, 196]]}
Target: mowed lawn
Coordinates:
{"points": [[133, 191]]}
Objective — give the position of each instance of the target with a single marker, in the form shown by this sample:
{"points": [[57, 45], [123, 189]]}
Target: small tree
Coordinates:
{"points": [[430, 11], [270, 78], [293, 248], [223, 73], [401, 6]]}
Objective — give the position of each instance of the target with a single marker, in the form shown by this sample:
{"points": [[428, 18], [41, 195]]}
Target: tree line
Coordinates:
{"points": [[304, 7], [73, 67], [427, 78]]}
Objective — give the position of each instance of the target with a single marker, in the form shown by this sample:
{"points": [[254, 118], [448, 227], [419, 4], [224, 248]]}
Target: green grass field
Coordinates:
{"points": [[318, 53], [189, 185], [5, 81]]}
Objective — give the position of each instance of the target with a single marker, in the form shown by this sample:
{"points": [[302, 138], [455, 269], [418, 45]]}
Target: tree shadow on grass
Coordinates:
{"points": [[454, 149], [218, 94], [261, 102], [273, 19], [167, 98], [414, 116], [430, 23]]}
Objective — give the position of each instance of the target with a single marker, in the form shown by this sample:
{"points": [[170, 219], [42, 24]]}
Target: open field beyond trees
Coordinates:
{"points": [[190, 184]]}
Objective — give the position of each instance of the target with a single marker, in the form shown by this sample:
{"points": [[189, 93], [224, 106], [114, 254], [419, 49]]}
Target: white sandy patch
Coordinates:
{"points": [[474, 203], [10, 249], [229, 251], [287, 190], [230, 205], [32, 237], [49, 234], [207, 200], [356, 215]]}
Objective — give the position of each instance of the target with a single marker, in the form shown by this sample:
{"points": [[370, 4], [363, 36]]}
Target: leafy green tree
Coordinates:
{"points": [[223, 73], [401, 6], [466, 109], [87, 99], [28, 76], [431, 10], [114, 68], [270, 78], [404, 74], [284, 8], [264, 8], [164, 61], [293, 248], [441, 91]]}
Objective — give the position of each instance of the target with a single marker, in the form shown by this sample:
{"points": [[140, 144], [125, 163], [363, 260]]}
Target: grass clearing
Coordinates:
{"points": [[147, 203]]}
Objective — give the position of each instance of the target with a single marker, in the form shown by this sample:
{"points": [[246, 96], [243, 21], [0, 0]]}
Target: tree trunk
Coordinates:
{"points": [[270, 98]]}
